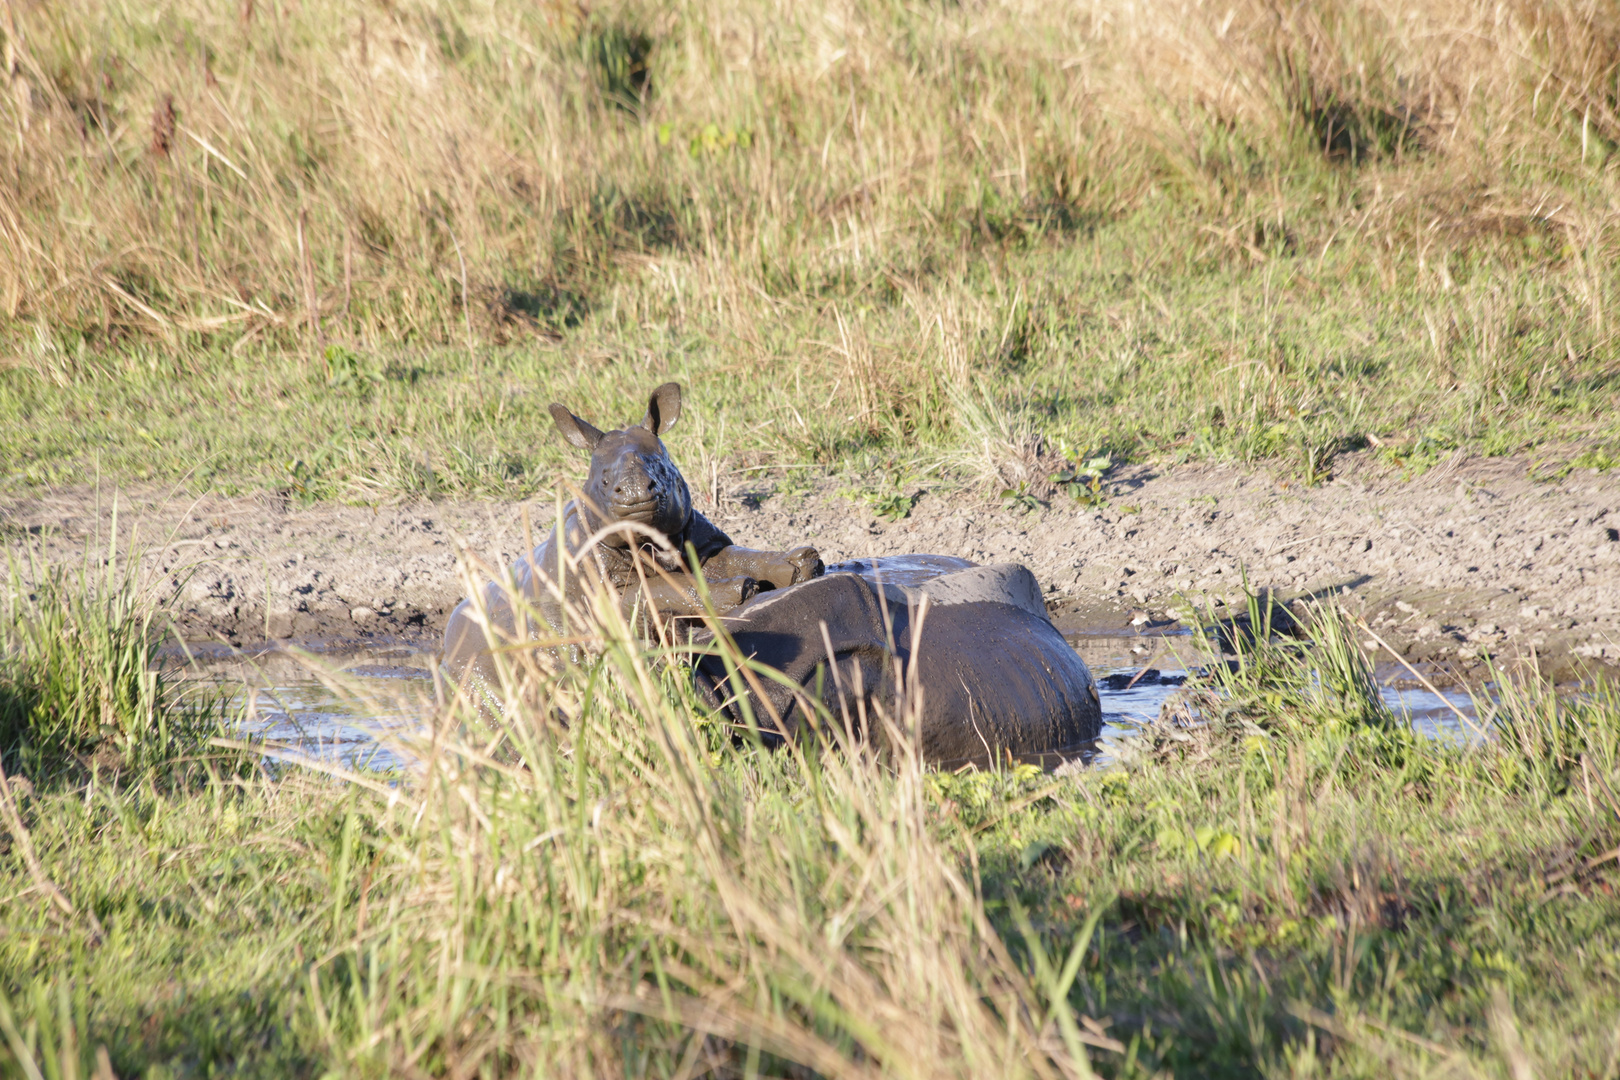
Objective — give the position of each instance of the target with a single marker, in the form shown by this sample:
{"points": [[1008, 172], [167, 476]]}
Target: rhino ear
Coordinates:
{"points": [[575, 430], [663, 408]]}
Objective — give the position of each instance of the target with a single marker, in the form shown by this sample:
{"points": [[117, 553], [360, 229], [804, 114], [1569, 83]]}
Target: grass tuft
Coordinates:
{"points": [[81, 687]]}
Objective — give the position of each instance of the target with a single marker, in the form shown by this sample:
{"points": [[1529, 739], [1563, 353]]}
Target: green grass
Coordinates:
{"points": [[1248, 366], [81, 685], [641, 894], [365, 251]]}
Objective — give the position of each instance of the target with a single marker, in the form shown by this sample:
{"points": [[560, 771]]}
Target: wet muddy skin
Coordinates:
{"points": [[632, 526], [997, 679]]}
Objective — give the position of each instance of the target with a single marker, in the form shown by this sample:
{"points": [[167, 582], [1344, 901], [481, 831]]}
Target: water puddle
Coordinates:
{"points": [[354, 716], [1136, 674]]}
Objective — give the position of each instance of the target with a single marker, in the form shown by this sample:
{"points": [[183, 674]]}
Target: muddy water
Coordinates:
{"points": [[1137, 673], [350, 707]]}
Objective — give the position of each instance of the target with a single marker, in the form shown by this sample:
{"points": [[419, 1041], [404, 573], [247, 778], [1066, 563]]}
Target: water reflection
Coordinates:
{"points": [[1133, 692], [351, 709]]}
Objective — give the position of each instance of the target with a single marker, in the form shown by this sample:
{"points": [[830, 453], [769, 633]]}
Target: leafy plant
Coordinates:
{"points": [[889, 493], [794, 485], [1600, 458], [305, 481], [1083, 478], [348, 370], [892, 505], [1415, 454], [1597, 458], [1019, 498], [710, 139]]}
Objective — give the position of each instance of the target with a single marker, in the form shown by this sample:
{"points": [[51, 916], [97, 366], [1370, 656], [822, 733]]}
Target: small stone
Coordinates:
{"points": [[280, 625], [362, 615]]}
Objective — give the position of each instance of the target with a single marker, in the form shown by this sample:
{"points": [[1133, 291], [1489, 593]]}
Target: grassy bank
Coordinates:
{"points": [[352, 252], [1294, 886]]}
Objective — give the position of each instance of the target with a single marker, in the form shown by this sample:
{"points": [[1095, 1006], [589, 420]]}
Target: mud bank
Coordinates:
{"points": [[1471, 558]]}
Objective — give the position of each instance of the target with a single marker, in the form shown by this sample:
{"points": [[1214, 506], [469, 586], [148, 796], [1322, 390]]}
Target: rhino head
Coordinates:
{"points": [[632, 477]]}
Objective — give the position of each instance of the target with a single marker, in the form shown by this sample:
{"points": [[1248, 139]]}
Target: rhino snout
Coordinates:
{"points": [[635, 491], [638, 498], [641, 486], [643, 510]]}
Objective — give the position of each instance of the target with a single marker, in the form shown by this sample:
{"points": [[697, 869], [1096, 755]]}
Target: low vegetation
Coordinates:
{"points": [[1280, 879], [81, 684], [352, 252]]}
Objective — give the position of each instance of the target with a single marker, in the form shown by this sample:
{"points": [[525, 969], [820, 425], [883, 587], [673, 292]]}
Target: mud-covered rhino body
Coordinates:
{"points": [[997, 679]]}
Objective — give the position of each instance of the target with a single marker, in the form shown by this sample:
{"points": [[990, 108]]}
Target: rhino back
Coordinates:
{"points": [[466, 645], [996, 676]]}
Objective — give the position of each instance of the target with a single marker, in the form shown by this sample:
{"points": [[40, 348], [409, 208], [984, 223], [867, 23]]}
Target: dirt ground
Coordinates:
{"points": [[1472, 557]]}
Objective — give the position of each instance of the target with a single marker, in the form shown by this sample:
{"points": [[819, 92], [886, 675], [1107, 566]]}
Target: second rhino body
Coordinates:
{"points": [[971, 647]]}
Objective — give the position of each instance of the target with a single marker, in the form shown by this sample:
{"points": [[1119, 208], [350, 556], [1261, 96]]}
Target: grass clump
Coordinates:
{"points": [[646, 893], [1270, 666], [81, 687]]}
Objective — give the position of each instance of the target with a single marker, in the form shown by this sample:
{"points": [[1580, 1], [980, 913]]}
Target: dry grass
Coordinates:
{"points": [[334, 250], [249, 171]]}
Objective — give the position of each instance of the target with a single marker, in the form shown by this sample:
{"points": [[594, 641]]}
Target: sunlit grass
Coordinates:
{"points": [[80, 682], [645, 892], [367, 248]]}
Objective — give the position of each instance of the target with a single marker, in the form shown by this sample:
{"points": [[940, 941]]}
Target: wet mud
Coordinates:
{"points": [[1474, 558]]}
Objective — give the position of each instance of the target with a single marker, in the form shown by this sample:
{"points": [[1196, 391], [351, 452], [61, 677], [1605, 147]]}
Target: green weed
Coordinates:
{"points": [[1269, 668], [347, 370], [80, 685], [1019, 499], [890, 492], [1083, 478]]}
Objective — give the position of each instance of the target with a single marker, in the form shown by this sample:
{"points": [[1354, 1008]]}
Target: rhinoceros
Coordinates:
{"points": [[632, 528], [996, 678]]}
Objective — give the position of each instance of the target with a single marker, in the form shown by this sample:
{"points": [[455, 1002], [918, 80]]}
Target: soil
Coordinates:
{"points": [[1473, 557]]}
